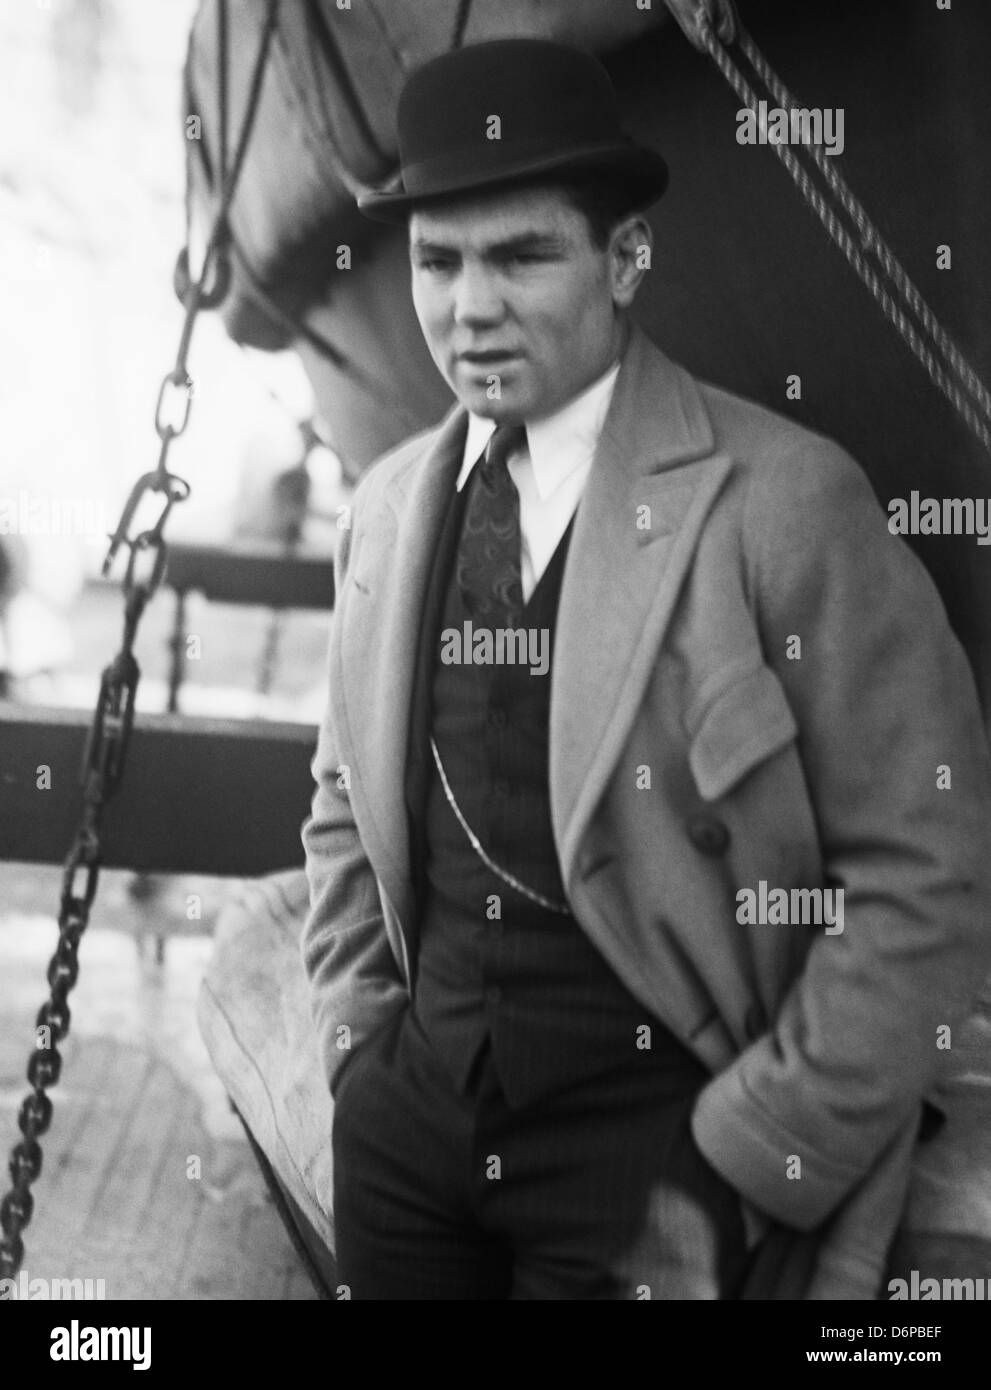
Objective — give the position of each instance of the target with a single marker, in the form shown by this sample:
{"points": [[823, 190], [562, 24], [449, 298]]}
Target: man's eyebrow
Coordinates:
{"points": [[434, 247], [528, 240]]}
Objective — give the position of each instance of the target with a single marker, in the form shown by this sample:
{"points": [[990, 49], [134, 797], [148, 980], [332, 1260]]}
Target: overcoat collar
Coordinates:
{"points": [[653, 479]]}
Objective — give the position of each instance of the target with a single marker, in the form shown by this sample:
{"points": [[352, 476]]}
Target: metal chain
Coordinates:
{"points": [[562, 908], [110, 732], [871, 240]]}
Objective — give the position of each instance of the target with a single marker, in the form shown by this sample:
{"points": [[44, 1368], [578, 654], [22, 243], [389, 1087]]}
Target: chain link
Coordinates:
{"points": [[113, 718], [102, 766]]}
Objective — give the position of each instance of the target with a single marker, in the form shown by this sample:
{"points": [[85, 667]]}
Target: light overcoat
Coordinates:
{"points": [[753, 680]]}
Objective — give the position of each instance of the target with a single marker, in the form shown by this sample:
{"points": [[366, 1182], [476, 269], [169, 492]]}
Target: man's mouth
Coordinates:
{"points": [[489, 358]]}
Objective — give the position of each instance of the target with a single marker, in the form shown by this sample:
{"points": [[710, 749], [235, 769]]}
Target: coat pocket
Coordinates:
{"points": [[743, 725]]}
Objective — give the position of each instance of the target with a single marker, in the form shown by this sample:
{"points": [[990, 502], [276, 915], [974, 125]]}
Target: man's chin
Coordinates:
{"points": [[509, 404]]}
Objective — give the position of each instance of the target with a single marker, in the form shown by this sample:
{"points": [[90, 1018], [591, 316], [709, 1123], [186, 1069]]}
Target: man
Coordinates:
{"points": [[619, 660]]}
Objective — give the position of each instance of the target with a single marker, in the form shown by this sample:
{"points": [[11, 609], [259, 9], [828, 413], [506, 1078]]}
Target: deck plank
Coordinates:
{"points": [[136, 1097]]}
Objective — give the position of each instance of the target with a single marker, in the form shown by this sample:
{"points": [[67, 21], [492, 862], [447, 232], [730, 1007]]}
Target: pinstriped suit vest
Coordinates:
{"points": [[494, 967]]}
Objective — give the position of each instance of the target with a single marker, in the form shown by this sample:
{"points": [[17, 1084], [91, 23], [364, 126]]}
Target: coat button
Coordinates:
{"points": [[754, 1022], [708, 835]]}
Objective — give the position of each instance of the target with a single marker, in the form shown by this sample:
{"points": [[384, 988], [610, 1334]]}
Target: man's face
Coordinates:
{"points": [[517, 305]]}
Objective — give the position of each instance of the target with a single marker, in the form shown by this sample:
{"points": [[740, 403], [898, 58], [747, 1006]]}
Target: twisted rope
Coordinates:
{"points": [[871, 241]]}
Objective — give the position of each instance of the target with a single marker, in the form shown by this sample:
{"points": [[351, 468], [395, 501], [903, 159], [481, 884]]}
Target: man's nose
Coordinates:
{"points": [[476, 296]]}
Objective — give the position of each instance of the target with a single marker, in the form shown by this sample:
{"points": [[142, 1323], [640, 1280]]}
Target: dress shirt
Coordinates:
{"points": [[550, 472]]}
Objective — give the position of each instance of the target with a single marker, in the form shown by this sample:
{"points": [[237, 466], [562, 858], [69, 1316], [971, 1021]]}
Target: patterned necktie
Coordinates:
{"points": [[488, 566]]}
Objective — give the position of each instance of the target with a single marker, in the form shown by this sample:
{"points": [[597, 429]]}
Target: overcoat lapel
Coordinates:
{"points": [[376, 687], [652, 482], [620, 584]]}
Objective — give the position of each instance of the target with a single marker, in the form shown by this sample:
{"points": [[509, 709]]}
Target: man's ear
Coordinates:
{"points": [[631, 246]]}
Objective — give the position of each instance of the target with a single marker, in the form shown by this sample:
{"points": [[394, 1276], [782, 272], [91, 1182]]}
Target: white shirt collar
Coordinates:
{"points": [[557, 443]]}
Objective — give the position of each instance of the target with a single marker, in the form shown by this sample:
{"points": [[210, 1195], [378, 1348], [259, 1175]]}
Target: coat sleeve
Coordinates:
{"points": [[896, 761], [355, 983]]}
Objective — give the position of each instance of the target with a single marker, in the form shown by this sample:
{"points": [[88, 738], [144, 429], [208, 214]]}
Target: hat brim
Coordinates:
{"points": [[644, 170]]}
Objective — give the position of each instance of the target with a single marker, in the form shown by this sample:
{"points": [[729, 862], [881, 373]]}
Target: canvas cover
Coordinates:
{"points": [[326, 120]]}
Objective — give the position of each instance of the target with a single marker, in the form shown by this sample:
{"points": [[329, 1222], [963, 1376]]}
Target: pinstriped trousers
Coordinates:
{"points": [[597, 1191]]}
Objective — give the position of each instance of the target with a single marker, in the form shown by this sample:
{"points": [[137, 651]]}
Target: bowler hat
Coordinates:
{"points": [[508, 112]]}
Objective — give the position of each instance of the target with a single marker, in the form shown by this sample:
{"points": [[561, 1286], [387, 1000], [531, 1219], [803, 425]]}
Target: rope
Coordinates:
{"points": [[328, 149], [461, 23], [220, 232], [189, 109], [222, 97], [871, 240], [251, 111], [300, 327]]}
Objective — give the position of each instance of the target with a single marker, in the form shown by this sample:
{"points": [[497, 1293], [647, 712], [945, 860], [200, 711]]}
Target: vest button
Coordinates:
{"points": [[708, 835], [500, 788], [497, 718], [493, 994]]}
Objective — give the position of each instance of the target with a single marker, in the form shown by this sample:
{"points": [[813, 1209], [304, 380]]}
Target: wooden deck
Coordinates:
{"points": [[138, 1105]]}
